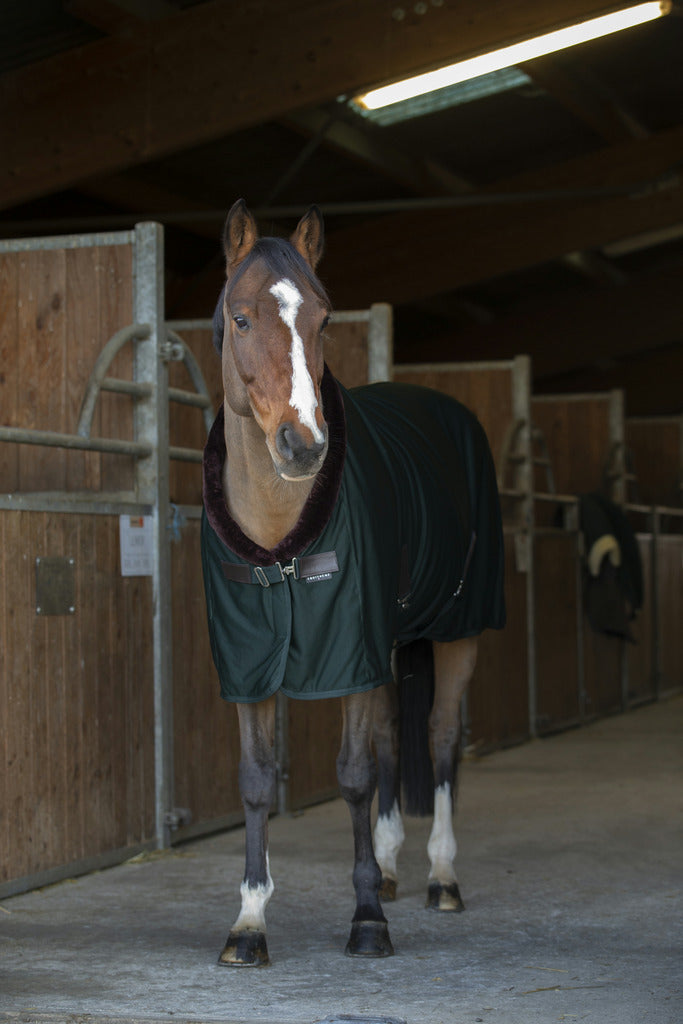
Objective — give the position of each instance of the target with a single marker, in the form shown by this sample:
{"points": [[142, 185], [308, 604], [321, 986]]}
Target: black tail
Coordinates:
{"points": [[415, 678]]}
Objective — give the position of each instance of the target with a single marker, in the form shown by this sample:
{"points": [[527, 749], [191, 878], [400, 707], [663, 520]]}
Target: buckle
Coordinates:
{"points": [[291, 570], [260, 574]]}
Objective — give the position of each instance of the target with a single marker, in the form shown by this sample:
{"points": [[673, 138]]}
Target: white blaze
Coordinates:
{"points": [[303, 398]]}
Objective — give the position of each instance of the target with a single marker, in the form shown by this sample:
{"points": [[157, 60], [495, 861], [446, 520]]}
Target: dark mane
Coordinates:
{"points": [[282, 260]]}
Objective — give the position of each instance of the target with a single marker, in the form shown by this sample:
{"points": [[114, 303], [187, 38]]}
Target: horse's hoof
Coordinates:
{"points": [[245, 949], [387, 890], [444, 897], [369, 938]]}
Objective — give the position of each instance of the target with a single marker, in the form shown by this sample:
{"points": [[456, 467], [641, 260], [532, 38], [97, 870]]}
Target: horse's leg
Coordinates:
{"points": [[357, 776], [246, 943], [389, 834], [453, 667]]}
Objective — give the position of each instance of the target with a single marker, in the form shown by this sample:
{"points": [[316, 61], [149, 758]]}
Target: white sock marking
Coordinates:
{"points": [[252, 915], [303, 398], [388, 839], [442, 846]]}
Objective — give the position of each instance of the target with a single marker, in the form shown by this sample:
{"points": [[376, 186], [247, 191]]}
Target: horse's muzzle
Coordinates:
{"points": [[298, 458]]}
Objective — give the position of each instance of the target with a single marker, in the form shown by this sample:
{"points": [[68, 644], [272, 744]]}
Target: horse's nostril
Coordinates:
{"points": [[291, 445]]}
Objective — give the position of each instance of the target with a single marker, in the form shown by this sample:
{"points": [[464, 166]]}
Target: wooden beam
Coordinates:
{"points": [[587, 98], [407, 256], [363, 144], [574, 331], [221, 66]]}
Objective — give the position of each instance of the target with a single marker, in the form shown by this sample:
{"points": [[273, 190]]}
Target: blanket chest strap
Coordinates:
{"points": [[304, 568]]}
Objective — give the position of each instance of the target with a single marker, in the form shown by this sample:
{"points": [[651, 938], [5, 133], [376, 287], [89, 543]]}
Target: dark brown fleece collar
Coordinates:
{"points": [[318, 508]]}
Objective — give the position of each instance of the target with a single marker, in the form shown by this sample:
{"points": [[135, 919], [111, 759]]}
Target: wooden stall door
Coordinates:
{"points": [[75, 700], [655, 445], [579, 431], [76, 686], [498, 394], [498, 696], [670, 605], [640, 656], [556, 630]]}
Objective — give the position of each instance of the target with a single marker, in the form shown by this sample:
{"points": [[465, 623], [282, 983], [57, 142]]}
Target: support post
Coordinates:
{"points": [[152, 486], [521, 412]]}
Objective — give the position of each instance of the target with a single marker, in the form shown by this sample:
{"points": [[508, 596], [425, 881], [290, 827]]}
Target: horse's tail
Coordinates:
{"points": [[415, 678]]}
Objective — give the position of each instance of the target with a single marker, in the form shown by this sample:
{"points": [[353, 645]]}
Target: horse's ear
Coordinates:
{"points": [[309, 237], [239, 234]]}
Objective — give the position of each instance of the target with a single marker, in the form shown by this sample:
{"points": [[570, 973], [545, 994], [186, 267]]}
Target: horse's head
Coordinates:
{"points": [[273, 312]]}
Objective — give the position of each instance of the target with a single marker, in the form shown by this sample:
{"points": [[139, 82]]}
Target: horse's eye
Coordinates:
{"points": [[241, 322], [324, 324]]}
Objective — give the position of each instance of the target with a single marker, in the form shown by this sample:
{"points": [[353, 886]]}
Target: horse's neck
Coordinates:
{"points": [[263, 505]]}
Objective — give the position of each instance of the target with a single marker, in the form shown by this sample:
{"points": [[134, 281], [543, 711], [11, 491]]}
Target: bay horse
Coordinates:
{"points": [[336, 525]]}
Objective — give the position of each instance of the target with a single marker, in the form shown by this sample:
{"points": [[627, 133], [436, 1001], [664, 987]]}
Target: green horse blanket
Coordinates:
{"points": [[400, 538]]}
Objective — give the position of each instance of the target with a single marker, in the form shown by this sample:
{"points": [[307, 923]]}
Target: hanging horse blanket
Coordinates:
{"points": [[400, 538]]}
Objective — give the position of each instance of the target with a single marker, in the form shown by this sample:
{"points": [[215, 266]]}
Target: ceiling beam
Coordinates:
{"points": [[574, 331], [221, 66], [579, 91], [407, 256]]}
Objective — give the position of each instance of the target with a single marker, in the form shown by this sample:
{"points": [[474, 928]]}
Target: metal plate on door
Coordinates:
{"points": [[55, 586]]}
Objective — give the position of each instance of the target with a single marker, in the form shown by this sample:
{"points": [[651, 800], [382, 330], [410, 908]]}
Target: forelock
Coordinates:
{"points": [[282, 260]]}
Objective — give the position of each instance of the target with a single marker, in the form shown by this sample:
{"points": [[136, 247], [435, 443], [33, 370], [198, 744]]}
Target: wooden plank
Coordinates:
{"points": [[602, 672], [42, 364], [346, 352], [83, 344], [186, 424], [4, 705], [17, 664], [206, 736], [115, 310], [656, 447], [461, 246], [9, 361], [120, 100], [498, 694], [486, 391], [556, 630], [577, 433], [640, 655], [314, 741], [670, 604]]}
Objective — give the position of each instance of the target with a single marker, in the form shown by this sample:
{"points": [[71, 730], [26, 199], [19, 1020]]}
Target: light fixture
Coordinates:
{"points": [[450, 96], [517, 53]]}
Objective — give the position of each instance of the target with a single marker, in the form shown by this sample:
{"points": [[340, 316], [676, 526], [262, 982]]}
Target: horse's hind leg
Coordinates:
{"points": [[246, 943], [357, 779], [389, 833], [453, 667]]}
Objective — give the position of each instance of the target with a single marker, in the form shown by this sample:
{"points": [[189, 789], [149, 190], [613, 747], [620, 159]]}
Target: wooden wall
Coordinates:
{"points": [[578, 433], [497, 705], [656, 447]]}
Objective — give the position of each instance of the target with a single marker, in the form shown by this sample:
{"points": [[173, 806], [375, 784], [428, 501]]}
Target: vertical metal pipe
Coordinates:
{"points": [[521, 411], [152, 485], [380, 342]]}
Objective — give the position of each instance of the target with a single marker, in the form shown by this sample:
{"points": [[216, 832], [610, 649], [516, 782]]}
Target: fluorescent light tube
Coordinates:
{"points": [[514, 54]]}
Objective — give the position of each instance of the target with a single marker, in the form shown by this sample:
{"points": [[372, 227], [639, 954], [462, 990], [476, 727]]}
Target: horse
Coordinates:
{"points": [[314, 550]]}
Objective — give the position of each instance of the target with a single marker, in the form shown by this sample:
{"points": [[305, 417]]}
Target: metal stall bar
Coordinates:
{"points": [[152, 485]]}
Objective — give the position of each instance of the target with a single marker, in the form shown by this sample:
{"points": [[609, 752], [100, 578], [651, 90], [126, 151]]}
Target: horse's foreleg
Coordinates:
{"points": [[357, 777], [246, 945], [453, 667], [389, 833]]}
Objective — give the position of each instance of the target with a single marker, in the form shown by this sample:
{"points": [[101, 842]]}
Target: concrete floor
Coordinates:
{"points": [[570, 863]]}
